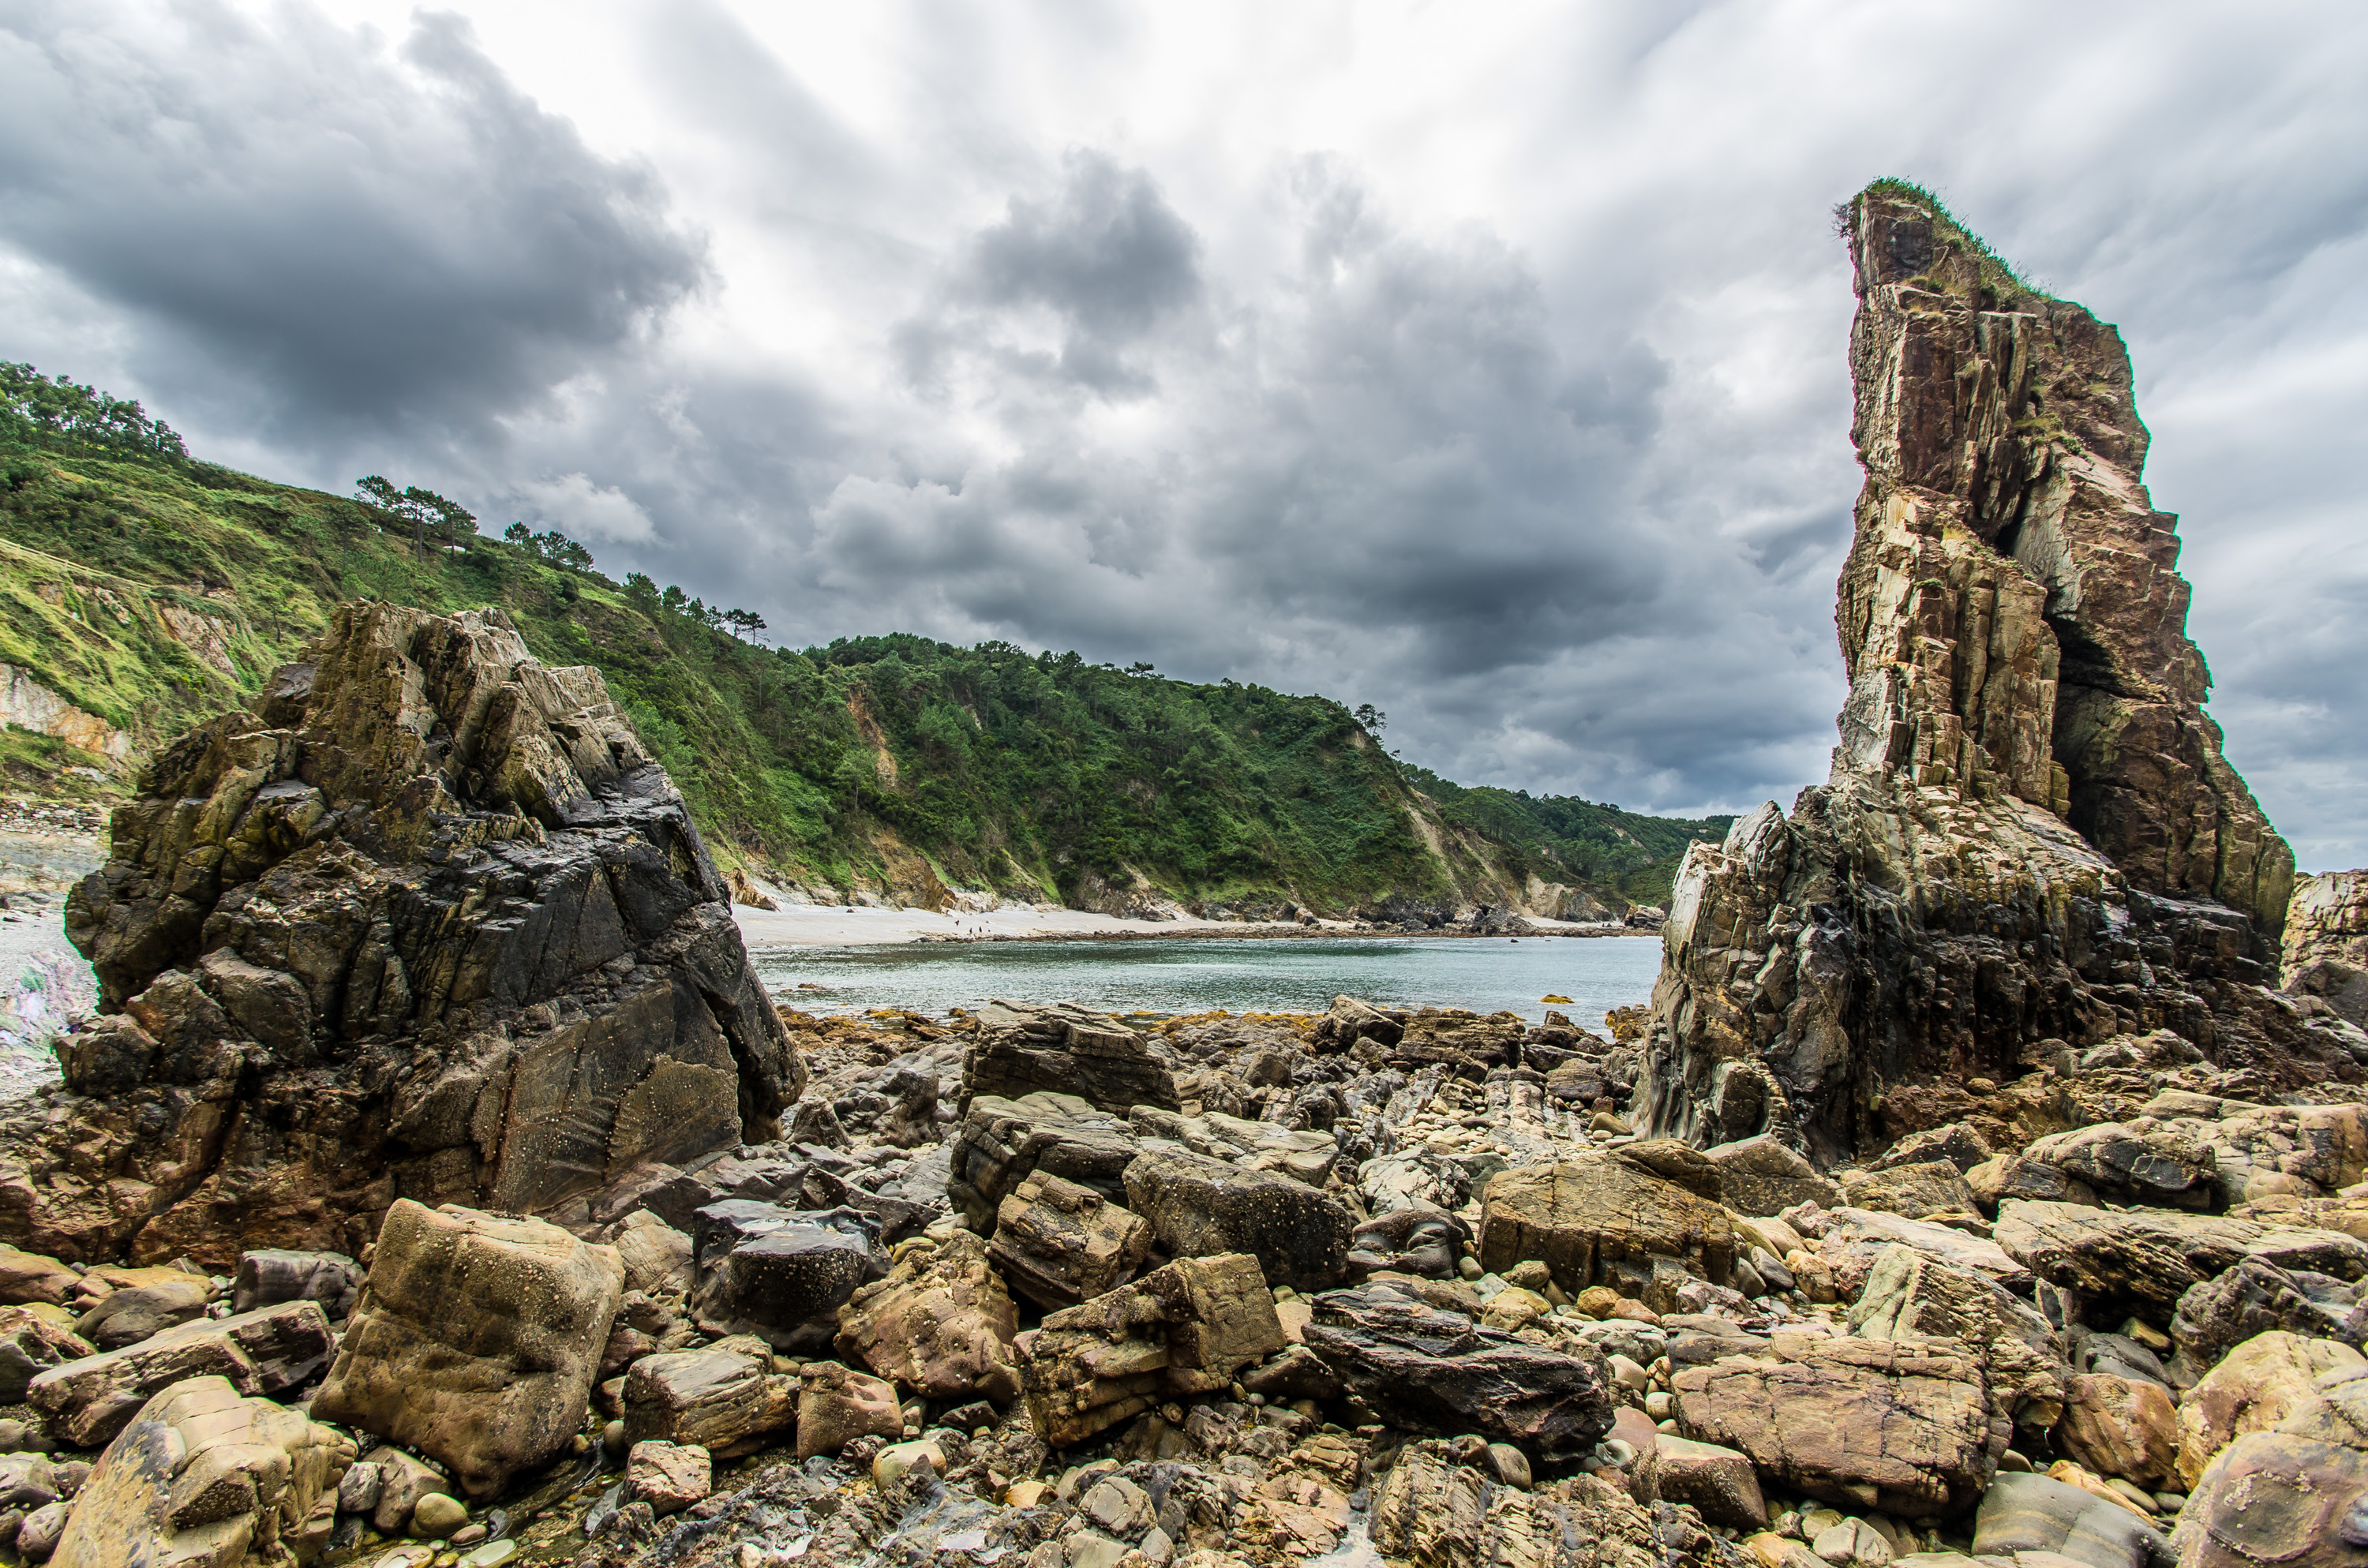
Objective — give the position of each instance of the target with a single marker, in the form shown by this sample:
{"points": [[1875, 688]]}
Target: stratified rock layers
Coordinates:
{"points": [[2029, 838], [427, 923]]}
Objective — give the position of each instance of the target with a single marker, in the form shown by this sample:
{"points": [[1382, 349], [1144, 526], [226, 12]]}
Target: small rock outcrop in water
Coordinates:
{"points": [[427, 923], [2029, 841]]}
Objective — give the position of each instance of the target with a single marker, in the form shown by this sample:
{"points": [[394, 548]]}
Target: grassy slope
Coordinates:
{"points": [[891, 763]]}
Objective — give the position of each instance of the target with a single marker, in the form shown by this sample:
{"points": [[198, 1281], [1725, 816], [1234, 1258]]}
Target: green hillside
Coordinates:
{"points": [[149, 589]]}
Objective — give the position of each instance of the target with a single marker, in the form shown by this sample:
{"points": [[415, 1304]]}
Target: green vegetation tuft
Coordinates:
{"points": [[152, 590], [1991, 269]]}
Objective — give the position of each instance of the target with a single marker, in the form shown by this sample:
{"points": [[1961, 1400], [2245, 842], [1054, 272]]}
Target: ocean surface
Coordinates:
{"points": [[1188, 975]]}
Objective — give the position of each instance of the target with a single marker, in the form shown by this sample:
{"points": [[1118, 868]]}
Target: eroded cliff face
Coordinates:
{"points": [[427, 923], [2028, 837]]}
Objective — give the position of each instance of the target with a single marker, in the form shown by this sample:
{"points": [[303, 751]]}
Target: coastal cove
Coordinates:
{"points": [[1195, 975]]}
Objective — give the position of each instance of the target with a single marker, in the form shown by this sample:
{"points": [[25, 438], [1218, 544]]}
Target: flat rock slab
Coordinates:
{"points": [[1901, 1426]]}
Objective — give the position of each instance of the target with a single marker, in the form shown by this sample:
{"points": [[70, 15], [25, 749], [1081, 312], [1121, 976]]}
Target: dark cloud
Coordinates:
{"points": [[328, 239]]}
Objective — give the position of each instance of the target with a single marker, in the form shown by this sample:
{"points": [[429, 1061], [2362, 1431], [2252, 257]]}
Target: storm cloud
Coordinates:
{"points": [[1486, 367]]}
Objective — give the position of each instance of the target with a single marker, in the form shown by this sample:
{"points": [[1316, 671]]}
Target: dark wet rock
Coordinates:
{"points": [[2025, 1512], [1437, 1371], [781, 1274]]}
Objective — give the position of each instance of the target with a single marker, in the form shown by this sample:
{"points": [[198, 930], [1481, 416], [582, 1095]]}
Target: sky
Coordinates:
{"points": [[1483, 363]]}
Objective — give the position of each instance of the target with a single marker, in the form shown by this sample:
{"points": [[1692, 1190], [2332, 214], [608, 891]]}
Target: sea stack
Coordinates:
{"points": [[2029, 840]]}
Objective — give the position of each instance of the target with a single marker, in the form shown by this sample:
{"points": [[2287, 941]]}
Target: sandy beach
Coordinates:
{"points": [[824, 925]]}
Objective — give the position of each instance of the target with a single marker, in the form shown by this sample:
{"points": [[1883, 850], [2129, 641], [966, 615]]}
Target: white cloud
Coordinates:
{"points": [[586, 511]]}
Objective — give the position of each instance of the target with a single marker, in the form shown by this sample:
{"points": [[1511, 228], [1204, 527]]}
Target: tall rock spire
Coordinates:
{"points": [[2029, 838]]}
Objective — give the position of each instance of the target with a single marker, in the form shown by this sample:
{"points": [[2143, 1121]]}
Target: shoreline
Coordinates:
{"points": [[842, 926]]}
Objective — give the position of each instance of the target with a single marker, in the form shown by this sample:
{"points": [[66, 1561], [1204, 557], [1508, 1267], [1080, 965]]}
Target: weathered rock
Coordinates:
{"points": [[429, 922], [2005, 1178], [722, 1401], [1765, 1175], [779, 1273], [2258, 1386], [2119, 1427], [404, 1479], [203, 1475], [30, 1346], [1912, 1295], [2275, 1497], [2028, 831], [837, 1405], [1914, 1191], [659, 1260], [1430, 1510], [1416, 1240], [1853, 1241], [476, 1340], [1959, 1145], [1203, 1207], [266, 1353], [669, 1477], [2153, 1166], [1719, 1482], [2028, 1513], [1350, 1020], [2257, 1297], [1305, 1156], [268, 1276], [2326, 954], [28, 1277], [1602, 1220], [1002, 1143], [1430, 1370], [940, 1323], [126, 1317], [1019, 1049], [1183, 1329], [2142, 1261], [1059, 1243], [1903, 1425]]}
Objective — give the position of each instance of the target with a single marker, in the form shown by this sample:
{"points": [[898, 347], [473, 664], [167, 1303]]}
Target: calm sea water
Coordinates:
{"points": [[1197, 974]]}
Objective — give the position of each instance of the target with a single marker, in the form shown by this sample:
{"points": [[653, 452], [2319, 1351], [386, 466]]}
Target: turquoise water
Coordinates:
{"points": [[1198, 974]]}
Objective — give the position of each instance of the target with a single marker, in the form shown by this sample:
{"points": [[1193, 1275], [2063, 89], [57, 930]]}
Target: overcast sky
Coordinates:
{"points": [[1483, 362]]}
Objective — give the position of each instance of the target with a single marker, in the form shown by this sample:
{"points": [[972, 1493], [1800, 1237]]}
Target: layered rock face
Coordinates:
{"points": [[2029, 839], [428, 922], [2327, 943]]}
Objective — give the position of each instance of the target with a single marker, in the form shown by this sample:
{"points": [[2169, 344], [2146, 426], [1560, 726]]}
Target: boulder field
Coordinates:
{"points": [[438, 1187]]}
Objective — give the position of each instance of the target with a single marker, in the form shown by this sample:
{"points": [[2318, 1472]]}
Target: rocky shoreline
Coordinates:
{"points": [[1987, 1181]]}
